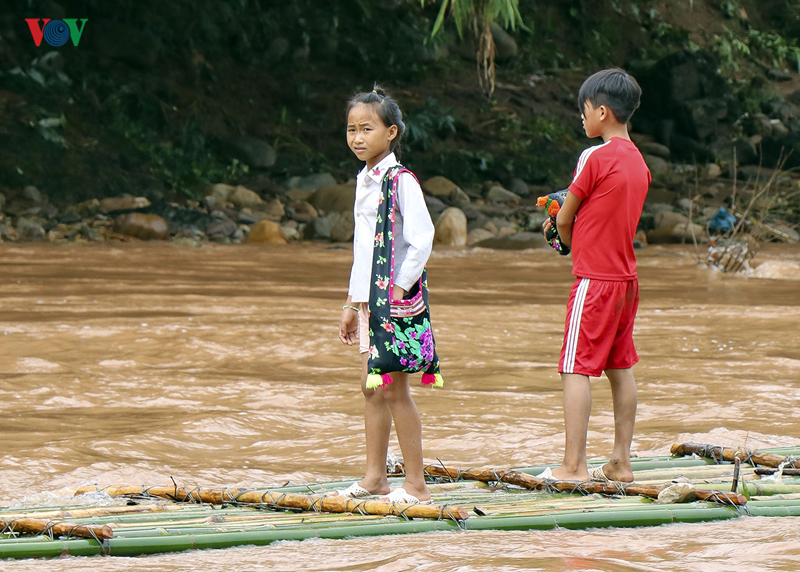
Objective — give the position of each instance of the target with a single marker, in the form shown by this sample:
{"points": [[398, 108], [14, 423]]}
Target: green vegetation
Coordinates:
{"points": [[478, 16], [159, 107]]}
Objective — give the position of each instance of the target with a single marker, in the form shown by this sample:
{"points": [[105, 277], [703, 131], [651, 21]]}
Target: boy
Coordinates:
{"points": [[598, 221]]}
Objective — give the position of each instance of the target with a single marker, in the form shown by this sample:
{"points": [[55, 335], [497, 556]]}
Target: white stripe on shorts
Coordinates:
{"points": [[575, 326]]}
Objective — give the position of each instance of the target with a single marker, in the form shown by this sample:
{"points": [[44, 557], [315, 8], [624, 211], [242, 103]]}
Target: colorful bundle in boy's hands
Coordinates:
{"points": [[552, 204]]}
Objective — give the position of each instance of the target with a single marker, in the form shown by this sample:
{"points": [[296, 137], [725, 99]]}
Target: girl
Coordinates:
{"points": [[374, 129]]}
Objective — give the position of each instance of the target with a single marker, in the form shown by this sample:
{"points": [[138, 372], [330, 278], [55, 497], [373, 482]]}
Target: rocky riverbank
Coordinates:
{"points": [[680, 203]]}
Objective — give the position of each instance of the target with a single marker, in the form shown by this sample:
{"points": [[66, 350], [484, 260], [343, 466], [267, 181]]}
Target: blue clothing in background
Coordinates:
{"points": [[722, 222]]}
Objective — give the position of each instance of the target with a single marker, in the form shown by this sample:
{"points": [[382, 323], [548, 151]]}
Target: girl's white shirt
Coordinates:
{"points": [[413, 229]]}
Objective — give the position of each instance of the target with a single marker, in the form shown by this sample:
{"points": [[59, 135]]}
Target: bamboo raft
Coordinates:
{"points": [[726, 483]]}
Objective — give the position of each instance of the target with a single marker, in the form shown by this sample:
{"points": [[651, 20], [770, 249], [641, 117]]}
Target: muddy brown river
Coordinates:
{"points": [[220, 365]]}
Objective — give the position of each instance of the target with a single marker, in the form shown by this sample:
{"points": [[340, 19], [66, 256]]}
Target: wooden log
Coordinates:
{"points": [[729, 454], [487, 474], [47, 526], [787, 472], [318, 503]]}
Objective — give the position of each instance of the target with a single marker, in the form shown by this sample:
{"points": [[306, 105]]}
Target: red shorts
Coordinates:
{"points": [[599, 329]]}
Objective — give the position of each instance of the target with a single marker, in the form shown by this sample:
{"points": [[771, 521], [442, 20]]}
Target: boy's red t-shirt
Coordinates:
{"points": [[612, 181]]}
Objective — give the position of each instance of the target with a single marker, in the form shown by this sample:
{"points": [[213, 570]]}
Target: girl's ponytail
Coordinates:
{"points": [[388, 111]]}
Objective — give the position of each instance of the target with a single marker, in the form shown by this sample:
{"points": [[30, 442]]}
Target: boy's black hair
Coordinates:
{"points": [[388, 111], [613, 88]]}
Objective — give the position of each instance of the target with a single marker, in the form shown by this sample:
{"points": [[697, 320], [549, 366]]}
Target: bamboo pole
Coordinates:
{"points": [[47, 526], [140, 545], [753, 488], [729, 454], [90, 512], [524, 480], [319, 503]]}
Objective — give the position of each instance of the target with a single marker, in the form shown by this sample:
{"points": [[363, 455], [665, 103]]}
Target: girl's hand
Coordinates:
{"points": [[397, 292], [547, 225], [348, 327]]}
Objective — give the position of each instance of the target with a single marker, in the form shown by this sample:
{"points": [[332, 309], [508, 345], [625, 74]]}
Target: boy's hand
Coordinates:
{"points": [[348, 326], [552, 237], [397, 292]]}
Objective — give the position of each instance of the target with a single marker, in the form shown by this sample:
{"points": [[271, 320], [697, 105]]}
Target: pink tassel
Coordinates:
{"points": [[428, 379], [387, 379]]}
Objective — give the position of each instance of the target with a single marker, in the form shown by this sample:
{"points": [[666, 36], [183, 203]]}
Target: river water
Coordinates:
{"points": [[220, 365]]}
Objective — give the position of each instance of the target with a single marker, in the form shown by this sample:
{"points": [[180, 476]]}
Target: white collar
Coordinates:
{"points": [[379, 170]]}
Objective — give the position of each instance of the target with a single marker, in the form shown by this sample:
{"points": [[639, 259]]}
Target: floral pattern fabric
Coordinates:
{"points": [[400, 333]]}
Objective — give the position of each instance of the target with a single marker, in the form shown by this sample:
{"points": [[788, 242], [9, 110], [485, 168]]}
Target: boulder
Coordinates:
{"points": [[29, 230], [669, 218], [498, 194], [142, 226], [712, 171], [478, 221], [779, 130], [274, 209], [252, 151], [223, 228], [451, 227], [505, 46], [88, 209], [266, 232], [779, 74], [439, 186], [679, 233], [243, 197], [656, 164], [219, 193], [310, 183], [535, 221], [518, 241], [657, 149], [660, 195], [245, 217], [344, 228], [759, 124], [320, 228], [688, 205], [334, 199], [435, 206], [298, 194], [290, 233], [478, 235], [501, 223], [34, 195], [303, 211], [113, 204], [459, 198], [519, 187]]}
